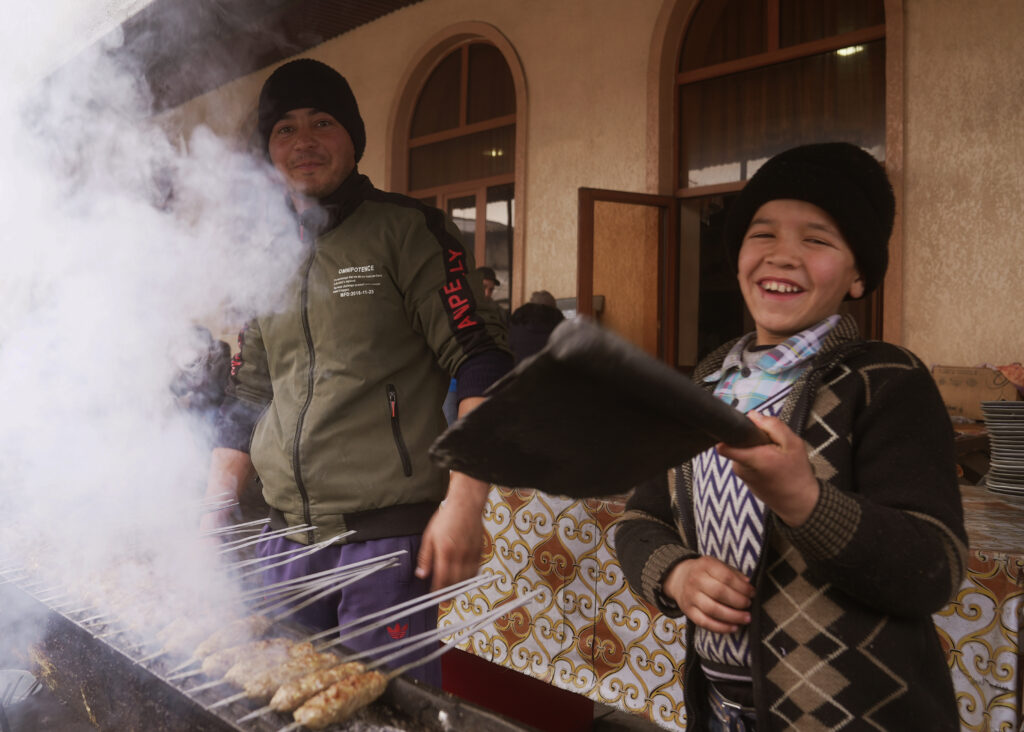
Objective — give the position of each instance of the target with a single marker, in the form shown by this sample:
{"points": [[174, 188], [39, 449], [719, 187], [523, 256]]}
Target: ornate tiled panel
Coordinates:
{"points": [[590, 634]]}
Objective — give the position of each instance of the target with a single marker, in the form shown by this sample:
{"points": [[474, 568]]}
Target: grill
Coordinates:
{"points": [[102, 677]]}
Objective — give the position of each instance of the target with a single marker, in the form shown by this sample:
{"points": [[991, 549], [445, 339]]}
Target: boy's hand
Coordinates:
{"points": [[710, 593], [780, 473]]}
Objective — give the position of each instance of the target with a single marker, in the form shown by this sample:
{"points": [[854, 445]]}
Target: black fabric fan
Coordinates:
{"points": [[590, 415]]}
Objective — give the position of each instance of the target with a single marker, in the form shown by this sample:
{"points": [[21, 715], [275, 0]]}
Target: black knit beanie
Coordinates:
{"points": [[840, 178], [308, 83]]}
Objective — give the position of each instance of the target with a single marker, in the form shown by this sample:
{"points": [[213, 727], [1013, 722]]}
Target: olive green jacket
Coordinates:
{"points": [[348, 378]]}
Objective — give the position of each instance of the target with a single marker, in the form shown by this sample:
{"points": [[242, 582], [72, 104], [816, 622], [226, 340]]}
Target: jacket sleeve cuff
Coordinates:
{"points": [[235, 422], [831, 526], [480, 371], [656, 570]]}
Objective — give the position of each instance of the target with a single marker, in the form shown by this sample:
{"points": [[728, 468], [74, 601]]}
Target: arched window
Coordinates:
{"points": [[462, 152], [755, 77]]}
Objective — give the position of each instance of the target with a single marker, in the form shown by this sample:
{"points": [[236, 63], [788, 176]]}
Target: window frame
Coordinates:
{"points": [[663, 81], [433, 52]]}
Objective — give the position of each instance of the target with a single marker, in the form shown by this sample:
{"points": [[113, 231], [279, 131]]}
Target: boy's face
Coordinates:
{"points": [[794, 269], [312, 152]]}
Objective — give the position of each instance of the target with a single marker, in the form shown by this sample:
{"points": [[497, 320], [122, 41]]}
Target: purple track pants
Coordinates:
{"points": [[382, 589]]}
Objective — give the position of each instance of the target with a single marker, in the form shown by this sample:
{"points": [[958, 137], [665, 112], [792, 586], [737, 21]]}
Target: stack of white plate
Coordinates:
{"points": [[1005, 424]]}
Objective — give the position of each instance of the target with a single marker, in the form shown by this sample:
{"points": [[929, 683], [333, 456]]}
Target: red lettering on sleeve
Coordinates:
{"points": [[453, 286], [455, 256]]}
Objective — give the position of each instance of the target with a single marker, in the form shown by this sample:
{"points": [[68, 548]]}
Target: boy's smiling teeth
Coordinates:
{"points": [[783, 287]]}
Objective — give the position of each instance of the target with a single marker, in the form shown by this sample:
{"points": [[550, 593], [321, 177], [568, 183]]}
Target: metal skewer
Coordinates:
{"points": [[305, 550], [414, 642], [330, 587], [409, 606], [237, 544], [236, 528], [216, 497], [248, 562], [391, 615], [273, 588], [207, 685], [435, 654], [302, 587], [429, 636], [229, 700], [310, 550], [215, 506], [432, 637]]}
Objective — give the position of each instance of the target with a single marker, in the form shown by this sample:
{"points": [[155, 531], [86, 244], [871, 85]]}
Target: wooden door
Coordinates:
{"points": [[623, 263]]}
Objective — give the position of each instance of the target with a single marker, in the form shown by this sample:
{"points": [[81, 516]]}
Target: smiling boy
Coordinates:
{"points": [[808, 569]]}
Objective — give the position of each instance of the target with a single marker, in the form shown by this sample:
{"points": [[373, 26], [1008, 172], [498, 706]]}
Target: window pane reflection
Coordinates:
{"points": [[437, 108], [723, 30], [479, 155], [492, 92], [801, 21], [498, 248], [732, 124], [463, 213]]}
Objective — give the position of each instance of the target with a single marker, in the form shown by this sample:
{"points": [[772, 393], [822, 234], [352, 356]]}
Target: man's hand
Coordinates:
{"points": [[710, 593], [230, 470], [780, 473], [453, 540]]}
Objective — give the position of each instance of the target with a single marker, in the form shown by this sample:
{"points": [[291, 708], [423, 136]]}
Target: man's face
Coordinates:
{"points": [[795, 268], [312, 152], [489, 288]]}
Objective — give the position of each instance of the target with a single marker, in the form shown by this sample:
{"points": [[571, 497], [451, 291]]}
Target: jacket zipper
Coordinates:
{"points": [[396, 430], [304, 301]]}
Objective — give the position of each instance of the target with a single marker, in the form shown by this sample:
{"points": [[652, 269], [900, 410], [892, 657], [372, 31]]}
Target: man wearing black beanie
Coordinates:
{"points": [[809, 568], [336, 399]]}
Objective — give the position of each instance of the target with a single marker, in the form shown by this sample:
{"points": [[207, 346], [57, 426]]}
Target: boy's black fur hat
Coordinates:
{"points": [[840, 178], [306, 82]]}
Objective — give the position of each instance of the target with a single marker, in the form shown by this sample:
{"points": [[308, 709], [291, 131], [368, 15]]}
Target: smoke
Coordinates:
{"points": [[118, 236]]}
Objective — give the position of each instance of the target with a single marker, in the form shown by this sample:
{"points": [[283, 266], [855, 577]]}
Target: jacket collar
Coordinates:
{"points": [[844, 332], [333, 208]]}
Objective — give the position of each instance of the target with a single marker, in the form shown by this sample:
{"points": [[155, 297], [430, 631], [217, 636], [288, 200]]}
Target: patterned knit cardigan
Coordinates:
{"points": [[842, 634]]}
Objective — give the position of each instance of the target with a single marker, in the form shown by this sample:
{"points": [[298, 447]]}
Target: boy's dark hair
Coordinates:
{"points": [[303, 83], [840, 178]]}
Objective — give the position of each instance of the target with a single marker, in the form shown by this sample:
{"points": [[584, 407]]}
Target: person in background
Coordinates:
{"points": [[809, 568], [531, 324], [199, 384], [490, 281], [335, 399]]}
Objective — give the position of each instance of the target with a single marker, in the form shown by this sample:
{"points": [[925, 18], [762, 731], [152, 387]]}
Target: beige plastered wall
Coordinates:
{"points": [[585, 69], [964, 187], [586, 66]]}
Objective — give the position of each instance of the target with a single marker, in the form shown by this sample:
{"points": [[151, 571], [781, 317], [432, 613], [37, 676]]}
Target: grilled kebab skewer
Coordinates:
{"points": [[275, 650], [263, 684], [232, 634], [341, 700], [296, 692], [344, 698]]}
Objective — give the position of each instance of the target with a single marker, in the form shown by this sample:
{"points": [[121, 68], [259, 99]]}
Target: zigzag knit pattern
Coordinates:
{"points": [[730, 527]]}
